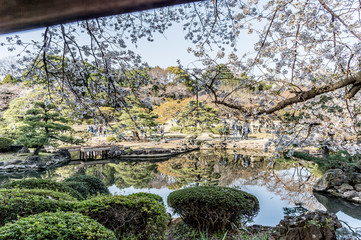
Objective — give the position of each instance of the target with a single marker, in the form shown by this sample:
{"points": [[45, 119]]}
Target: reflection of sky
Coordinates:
{"points": [[352, 222], [271, 205]]}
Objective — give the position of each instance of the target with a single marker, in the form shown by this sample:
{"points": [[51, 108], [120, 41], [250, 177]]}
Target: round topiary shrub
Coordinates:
{"points": [[130, 217], [39, 183], [149, 195], [5, 144], [93, 184], [213, 208], [80, 187], [57, 225], [16, 203]]}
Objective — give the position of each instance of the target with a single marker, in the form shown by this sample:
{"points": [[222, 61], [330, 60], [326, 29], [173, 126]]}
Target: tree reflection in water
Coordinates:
{"points": [[291, 181]]}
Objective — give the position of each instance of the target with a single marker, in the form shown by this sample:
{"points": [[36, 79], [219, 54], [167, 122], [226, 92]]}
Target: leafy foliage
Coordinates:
{"points": [[148, 195], [39, 183], [93, 184], [197, 114], [79, 187], [8, 79], [15, 203], [44, 126], [213, 208], [131, 217], [341, 159], [58, 225], [138, 119], [5, 143], [169, 109]]}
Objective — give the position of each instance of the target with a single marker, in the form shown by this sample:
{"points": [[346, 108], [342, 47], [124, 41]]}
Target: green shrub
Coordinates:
{"points": [[80, 187], [130, 217], [150, 195], [58, 225], [5, 144], [8, 79], [111, 139], [93, 184], [175, 129], [16, 203], [39, 183], [213, 208], [89, 121]]}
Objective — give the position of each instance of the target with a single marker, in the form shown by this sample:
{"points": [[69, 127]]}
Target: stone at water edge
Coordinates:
{"points": [[317, 225], [333, 177]]}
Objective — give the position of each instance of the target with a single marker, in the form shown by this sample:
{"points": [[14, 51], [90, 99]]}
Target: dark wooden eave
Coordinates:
{"points": [[17, 15]]}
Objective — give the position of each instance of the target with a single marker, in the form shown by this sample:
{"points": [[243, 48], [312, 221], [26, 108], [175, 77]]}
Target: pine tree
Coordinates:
{"points": [[44, 126], [197, 115]]}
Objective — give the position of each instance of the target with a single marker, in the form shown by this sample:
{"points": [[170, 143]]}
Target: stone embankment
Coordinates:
{"points": [[35, 163], [341, 183], [317, 225]]}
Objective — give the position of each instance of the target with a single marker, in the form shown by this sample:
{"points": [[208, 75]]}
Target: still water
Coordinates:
{"points": [[282, 188]]}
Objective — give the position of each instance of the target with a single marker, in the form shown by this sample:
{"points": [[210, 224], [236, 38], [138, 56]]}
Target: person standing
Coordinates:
{"points": [[220, 130]]}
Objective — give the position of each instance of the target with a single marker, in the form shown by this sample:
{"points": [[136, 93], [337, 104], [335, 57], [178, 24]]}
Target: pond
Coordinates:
{"points": [[282, 187]]}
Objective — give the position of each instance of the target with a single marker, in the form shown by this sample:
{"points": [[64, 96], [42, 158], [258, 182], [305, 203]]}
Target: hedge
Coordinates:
{"points": [[130, 217], [80, 187], [39, 183], [16, 203], [5, 144], [58, 225], [149, 195], [93, 184], [213, 208]]}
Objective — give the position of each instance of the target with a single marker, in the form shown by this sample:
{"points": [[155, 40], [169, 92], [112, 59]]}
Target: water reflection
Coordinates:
{"points": [[281, 187]]}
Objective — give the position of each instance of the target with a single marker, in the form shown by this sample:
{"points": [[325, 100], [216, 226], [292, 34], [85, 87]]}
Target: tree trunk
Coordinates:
{"points": [[37, 150]]}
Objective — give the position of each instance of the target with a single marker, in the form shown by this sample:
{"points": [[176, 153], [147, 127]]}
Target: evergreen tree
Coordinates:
{"points": [[138, 119], [44, 126], [8, 79], [197, 115]]}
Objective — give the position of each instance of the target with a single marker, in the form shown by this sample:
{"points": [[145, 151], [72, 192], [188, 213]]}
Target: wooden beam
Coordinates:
{"points": [[17, 15]]}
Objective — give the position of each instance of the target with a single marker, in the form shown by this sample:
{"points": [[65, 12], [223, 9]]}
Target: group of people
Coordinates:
{"points": [[97, 130], [237, 128]]}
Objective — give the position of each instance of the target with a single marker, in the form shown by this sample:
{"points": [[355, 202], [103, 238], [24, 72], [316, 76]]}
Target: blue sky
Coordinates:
{"points": [[163, 52]]}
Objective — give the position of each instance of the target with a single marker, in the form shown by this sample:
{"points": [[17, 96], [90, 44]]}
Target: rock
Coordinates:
{"points": [[315, 225], [32, 159], [9, 167], [357, 186], [333, 177], [63, 154], [2, 164], [114, 152], [356, 200], [354, 177], [24, 149], [344, 188], [350, 194], [16, 162]]}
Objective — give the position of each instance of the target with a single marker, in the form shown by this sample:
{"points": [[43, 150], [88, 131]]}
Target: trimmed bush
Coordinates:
{"points": [[80, 187], [111, 139], [149, 195], [16, 203], [58, 225], [5, 144], [93, 184], [130, 217], [39, 183], [213, 208]]}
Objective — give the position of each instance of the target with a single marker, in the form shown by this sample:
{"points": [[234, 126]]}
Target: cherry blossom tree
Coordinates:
{"points": [[308, 48]]}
